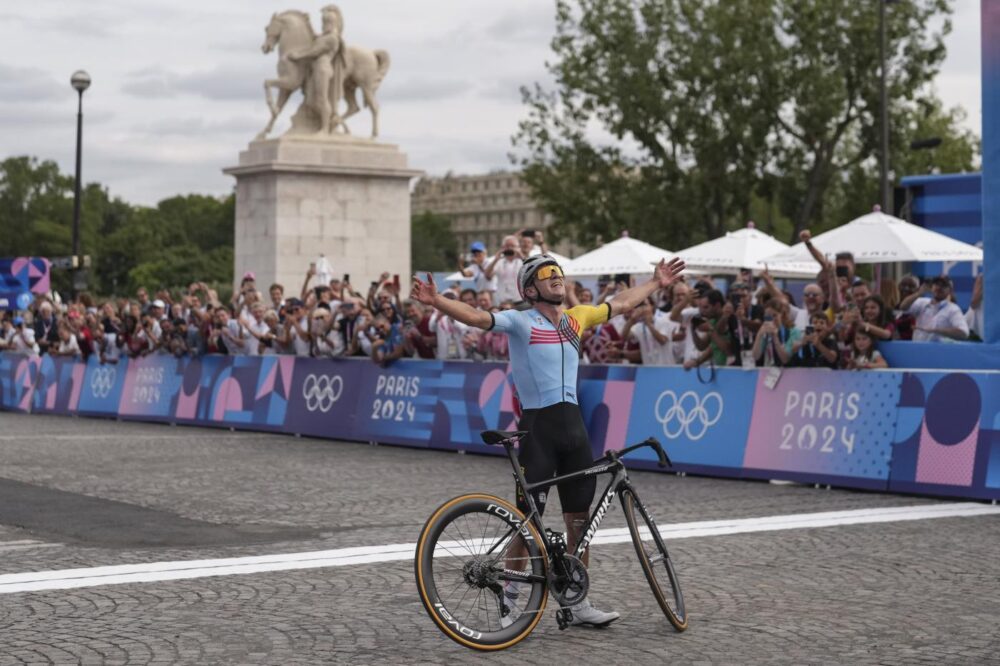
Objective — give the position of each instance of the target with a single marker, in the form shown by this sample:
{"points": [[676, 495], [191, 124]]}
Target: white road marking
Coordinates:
{"points": [[164, 571], [25, 544]]}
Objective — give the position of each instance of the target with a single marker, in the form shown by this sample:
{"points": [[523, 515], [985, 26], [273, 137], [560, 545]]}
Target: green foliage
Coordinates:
{"points": [[433, 246], [678, 119], [182, 239]]}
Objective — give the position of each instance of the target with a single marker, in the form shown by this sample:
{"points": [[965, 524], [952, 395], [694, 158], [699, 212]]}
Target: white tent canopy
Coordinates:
{"points": [[624, 255], [745, 248], [877, 238], [458, 277]]}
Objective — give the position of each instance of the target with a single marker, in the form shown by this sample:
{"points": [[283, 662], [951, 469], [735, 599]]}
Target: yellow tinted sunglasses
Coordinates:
{"points": [[547, 272]]}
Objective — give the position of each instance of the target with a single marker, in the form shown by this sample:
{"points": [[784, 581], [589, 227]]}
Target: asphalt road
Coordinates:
{"points": [[79, 494]]}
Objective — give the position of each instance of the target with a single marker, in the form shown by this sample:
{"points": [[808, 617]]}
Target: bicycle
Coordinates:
{"points": [[463, 560]]}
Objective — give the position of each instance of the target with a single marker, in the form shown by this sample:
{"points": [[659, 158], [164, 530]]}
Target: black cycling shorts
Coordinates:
{"points": [[556, 444]]}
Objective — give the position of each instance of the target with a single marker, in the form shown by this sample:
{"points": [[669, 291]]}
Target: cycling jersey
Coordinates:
{"points": [[544, 358]]}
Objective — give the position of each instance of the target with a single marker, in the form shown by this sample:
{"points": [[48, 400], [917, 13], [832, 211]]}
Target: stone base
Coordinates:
{"points": [[298, 197]]}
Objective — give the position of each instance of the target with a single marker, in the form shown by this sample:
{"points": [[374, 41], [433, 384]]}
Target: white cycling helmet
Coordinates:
{"points": [[528, 269]]}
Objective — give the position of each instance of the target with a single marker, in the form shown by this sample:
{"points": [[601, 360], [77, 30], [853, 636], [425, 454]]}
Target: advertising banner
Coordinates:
{"points": [[102, 387], [824, 427], [605, 396], [20, 279], [322, 395], [200, 398], [702, 425], [426, 403], [17, 381], [946, 434], [58, 385], [152, 384]]}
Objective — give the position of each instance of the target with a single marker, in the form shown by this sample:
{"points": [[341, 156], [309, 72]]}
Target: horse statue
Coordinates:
{"points": [[324, 80]]}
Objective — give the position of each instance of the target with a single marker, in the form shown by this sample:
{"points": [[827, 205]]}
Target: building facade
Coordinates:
{"points": [[483, 208]]}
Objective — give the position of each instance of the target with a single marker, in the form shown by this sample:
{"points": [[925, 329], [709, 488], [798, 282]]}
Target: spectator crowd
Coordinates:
{"points": [[839, 324]]}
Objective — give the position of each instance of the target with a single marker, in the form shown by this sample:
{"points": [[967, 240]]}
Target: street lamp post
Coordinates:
{"points": [[884, 124], [80, 82]]}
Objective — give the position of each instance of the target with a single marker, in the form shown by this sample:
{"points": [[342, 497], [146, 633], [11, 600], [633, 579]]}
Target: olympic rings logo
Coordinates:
{"points": [[321, 391], [690, 414], [101, 381]]}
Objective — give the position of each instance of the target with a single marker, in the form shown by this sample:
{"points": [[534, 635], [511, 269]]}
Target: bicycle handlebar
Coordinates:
{"points": [[652, 443]]}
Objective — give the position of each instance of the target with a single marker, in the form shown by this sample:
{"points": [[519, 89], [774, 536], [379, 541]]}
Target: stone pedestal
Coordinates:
{"points": [[298, 197]]}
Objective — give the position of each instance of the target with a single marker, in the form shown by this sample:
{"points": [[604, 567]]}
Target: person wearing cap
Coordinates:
{"points": [[477, 269], [937, 317], [544, 346]]}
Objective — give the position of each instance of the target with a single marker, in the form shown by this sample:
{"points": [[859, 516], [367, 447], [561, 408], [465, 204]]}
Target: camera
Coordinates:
{"points": [[768, 317], [508, 253], [810, 330], [842, 271], [697, 320]]}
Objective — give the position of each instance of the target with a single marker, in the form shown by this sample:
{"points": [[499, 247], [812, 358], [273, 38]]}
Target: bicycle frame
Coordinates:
{"points": [[619, 478]]}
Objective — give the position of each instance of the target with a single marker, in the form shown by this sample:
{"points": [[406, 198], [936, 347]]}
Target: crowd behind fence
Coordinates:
{"points": [[839, 323]]}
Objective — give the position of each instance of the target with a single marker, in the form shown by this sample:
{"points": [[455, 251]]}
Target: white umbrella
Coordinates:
{"points": [[458, 277], [745, 248], [624, 255], [877, 238]]}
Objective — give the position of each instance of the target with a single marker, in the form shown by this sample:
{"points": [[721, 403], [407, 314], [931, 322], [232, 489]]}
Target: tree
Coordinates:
{"points": [[676, 119], [183, 238], [432, 244]]}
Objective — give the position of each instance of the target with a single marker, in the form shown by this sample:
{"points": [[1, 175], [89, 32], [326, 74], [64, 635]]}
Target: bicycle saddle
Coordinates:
{"points": [[499, 436]]}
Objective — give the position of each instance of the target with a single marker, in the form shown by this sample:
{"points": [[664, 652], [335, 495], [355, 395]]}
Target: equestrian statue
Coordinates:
{"points": [[326, 69]]}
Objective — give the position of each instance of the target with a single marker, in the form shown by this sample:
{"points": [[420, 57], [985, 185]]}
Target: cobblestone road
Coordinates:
{"points": [[83, 493]]}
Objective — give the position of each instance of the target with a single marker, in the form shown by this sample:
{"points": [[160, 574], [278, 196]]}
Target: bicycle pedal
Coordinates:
{"points": [[564, 617]]}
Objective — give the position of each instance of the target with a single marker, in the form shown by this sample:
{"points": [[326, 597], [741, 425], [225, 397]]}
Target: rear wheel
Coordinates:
{"points": [[655, 561], [466, 563]]}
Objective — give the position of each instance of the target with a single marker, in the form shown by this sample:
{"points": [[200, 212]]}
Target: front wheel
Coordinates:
{"points": [[481, 572], [655, 560]]}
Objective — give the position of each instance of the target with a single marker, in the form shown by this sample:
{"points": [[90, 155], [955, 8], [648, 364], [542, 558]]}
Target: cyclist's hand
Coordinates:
{"points": [[668, 273], [424, 292]]}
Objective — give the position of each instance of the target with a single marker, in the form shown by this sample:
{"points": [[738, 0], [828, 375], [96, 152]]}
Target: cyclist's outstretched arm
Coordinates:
{"points": [[426, 293], [664, 276]]}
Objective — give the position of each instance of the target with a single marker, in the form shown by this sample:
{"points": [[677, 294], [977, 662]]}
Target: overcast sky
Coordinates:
{"points": [[177, 89]]}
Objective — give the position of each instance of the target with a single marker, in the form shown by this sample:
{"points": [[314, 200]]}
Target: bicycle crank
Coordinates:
{"points": [[569, 580]]}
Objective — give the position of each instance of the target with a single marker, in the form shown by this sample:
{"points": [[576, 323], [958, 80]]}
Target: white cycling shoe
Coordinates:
{"points": [[585, 614]]}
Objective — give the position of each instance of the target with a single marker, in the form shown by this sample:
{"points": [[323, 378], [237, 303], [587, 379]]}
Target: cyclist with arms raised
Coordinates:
{"points": [[544, 344]]}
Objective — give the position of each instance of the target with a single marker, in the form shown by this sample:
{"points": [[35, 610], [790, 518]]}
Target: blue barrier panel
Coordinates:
{"points": [[423, 403], [605, 397], [823, 427], [102, 387], [58, 385], [945, 433], [17, 381], [941, 355], [152, 385], [702, 426], [201, 396], [322, 396], [924, 432]]}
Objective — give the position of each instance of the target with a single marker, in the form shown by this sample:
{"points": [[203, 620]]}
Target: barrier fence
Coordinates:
{"points": [[907, 431]]}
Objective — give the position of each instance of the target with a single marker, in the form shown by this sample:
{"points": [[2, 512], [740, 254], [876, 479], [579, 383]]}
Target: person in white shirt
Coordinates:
{"points": [[259, 331], [23, 338], [504, 267], [68, 345], [938, 318], [531, 242], [685, 309], [974, 315], [296, 336], [450, 333], [654, 331], [477, 269]]}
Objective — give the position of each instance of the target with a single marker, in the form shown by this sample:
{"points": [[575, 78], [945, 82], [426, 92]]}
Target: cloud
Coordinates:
{"points": [[222, 83], [423, 90], [29, 84], [199, 126], [508, 88]]}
